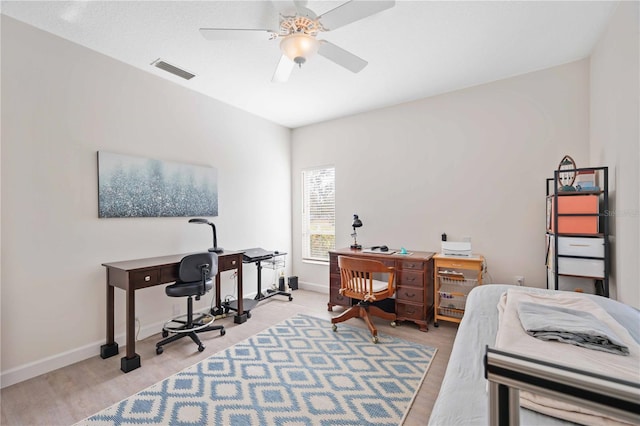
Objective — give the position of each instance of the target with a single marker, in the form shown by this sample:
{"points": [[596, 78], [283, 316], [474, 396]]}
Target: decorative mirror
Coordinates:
{"points": [[566, 174]]}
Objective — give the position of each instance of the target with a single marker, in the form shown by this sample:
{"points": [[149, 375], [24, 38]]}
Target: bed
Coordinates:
{"points": [[463, 397]]}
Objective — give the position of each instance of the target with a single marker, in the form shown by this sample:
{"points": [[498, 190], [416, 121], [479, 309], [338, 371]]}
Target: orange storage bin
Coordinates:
{"points": [[577, 224]]}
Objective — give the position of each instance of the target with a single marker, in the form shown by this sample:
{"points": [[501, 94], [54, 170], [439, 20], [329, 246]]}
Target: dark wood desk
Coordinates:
{"points": [[132, 275], [414, 283]]}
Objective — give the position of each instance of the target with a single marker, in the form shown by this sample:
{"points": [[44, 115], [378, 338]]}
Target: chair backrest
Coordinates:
{"points": [[357, 280], [198, 267]]}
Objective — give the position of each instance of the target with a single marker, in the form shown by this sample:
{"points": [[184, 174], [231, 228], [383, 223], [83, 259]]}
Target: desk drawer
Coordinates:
{"points": [[169, 274], [412, 278], [409, 311], [410, 294], [472, 264], [144, 278], [409, 264], [228, 263]]}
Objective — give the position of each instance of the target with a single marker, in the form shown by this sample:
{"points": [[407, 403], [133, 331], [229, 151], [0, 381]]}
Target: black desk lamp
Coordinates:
{"points": [[357, 223], [215, 247]]}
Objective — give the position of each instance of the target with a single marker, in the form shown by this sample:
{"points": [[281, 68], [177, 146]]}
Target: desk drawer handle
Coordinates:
{"points": [[411, 279], [412, 295], [147, 278], [233, 262]]}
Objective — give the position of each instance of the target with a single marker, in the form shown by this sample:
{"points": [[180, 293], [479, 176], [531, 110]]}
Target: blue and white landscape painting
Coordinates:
{"points": [[142, 187]]}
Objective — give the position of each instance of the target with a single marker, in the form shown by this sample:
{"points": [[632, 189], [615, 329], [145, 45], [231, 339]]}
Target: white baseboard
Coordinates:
{"points": [[45, 365], [319, 288]]}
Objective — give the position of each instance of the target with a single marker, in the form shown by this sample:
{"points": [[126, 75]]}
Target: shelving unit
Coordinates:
{"points": [[577, 235], [453, 278]]}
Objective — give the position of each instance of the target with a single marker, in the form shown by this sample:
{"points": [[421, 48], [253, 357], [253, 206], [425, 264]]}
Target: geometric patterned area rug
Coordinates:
{"points": [[298, 372]]}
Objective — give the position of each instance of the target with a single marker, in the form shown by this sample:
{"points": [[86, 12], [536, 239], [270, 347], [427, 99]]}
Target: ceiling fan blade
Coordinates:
{"points": [[288, 7], [235, 34], [284, 7], [283, 70], [352, 11], [341, 57]]}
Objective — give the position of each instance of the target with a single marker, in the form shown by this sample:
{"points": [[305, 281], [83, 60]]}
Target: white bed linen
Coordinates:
{"points": [[463, 397], [512, 337]]}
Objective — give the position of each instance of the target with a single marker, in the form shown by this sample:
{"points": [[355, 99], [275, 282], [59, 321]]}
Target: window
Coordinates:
{"points": [[318, 213]]}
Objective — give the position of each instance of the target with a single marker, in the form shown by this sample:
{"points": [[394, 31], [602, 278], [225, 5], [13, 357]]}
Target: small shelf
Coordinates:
{"points": [[454, 278], [598, 235], [583, 254], [581, 276], [563, 193]]}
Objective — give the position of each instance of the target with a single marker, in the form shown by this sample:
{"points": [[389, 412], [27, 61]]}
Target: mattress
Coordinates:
{"points": [[463, 397]]}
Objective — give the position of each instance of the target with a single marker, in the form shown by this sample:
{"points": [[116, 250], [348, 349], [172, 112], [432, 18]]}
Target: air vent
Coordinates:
{"points": [[159, 63]]}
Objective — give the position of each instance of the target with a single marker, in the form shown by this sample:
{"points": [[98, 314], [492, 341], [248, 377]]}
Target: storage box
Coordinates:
{"points": [[581, 285], [576, 246], [576, 224], [593, 268]]}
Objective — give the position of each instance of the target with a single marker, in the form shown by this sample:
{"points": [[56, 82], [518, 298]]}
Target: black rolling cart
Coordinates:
{"points": [[263, 259]]}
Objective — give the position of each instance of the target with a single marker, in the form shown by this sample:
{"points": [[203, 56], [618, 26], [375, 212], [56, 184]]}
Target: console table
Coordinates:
{"points": [[132, 275], [414, 283]]}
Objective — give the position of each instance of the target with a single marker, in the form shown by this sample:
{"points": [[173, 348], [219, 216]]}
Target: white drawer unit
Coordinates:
{"points": [[582, 285], [576, 246], [593, 268]]}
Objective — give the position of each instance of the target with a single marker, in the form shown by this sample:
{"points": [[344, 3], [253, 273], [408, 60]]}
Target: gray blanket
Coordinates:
{"points": [[569, 326]]}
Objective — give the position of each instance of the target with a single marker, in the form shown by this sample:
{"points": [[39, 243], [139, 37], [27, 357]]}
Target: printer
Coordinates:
{"points": [[456, 248]]}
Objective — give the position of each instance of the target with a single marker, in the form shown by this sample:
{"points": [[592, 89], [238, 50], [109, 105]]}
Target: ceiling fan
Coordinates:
{"points": [[298, 28]]}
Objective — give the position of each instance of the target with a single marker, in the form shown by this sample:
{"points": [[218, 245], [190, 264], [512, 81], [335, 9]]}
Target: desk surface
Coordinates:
{"points": [[154, 262], [413, 255]]}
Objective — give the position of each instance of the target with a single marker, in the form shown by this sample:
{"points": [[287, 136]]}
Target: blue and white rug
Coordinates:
{"points": [[298, 372]]}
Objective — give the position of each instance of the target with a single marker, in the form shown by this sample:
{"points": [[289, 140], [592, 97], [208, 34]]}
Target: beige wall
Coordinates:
{"points": [[615, 140], [468, 163], [60, 104]]}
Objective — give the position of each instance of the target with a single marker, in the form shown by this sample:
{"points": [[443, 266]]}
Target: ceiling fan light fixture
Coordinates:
{"points": [[299, 46]]}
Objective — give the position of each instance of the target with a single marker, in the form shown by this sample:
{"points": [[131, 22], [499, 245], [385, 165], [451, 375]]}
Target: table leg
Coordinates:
{"points": [[241, 315], [132, 360], [217, 310], [259, 295], [110, 348]]}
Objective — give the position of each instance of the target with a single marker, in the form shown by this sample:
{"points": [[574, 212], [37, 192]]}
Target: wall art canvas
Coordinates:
{"points": [[131, 186]]}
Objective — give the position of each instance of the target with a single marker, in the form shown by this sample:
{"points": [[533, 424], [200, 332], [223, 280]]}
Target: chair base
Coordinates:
{"points": [[364, 310], [190, 329]]}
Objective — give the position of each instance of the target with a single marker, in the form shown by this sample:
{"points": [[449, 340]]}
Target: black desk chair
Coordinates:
{"points": [[194, 279]]}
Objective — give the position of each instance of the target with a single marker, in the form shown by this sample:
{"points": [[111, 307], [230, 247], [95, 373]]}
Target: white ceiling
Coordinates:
{"points": [[415, 49]]}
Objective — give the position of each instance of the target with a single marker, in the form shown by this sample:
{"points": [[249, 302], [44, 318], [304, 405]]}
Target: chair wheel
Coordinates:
{"points": [[223, 332], [165, 333], [435, 324], [200, 348], [159, 350], [393, 324], [375, 339], [248, 314], [290, 298], [334, 327]]}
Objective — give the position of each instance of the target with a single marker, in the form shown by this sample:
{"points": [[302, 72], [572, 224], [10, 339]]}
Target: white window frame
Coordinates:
{"points": [[309, 253]]}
